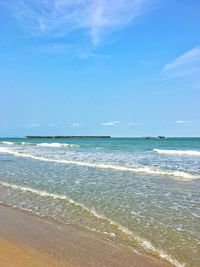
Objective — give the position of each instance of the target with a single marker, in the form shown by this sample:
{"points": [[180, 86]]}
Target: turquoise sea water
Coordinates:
{"points": [[143, 193]]}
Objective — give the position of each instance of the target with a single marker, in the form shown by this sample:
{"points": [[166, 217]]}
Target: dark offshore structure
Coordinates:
{"points": [[67, 136]]}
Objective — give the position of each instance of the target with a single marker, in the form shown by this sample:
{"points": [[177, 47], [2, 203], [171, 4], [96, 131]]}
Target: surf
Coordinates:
{"points": [[56, 145], [143, 169], [178, 152], [144, 243], [7, 143]]}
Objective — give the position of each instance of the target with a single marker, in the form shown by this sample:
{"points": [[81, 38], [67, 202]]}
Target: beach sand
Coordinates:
{"points": [[12, 254], [27, 240]]}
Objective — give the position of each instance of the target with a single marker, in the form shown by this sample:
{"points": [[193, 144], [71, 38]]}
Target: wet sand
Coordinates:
{"points": [[12, 254], [27, 240]]}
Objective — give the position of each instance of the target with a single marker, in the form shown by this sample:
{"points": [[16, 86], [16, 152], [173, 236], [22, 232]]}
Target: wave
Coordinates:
{"points": [[16, 143], [178, 152], [56, 145], [40, 144], [23, 143], [7, 143], [144, 169], [145, 244]]}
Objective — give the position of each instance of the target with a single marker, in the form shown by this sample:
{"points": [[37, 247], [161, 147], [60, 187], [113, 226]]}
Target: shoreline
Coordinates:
{"points": [[28, 240]]}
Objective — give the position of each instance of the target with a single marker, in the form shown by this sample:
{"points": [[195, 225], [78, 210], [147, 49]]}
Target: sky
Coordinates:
{"points": [[100, 67]]}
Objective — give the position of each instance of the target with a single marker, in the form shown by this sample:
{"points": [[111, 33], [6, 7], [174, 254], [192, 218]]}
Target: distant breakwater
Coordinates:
{"points": [[68, 136]]}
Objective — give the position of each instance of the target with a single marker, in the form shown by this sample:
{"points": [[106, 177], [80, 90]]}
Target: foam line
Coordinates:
{"points": [[41, 144], [56, 145], [145, 169], [146, 244], [7, 143], [178, 152]]}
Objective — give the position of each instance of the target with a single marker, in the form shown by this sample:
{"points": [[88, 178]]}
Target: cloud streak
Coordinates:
{"points": [[93, 56], [130, 124], [111, 123], [183, 122], [187, 64], [94, 17], [33, 125]]}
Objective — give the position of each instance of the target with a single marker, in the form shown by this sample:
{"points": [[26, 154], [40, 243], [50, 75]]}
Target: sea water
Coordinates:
{"points": [[142, 193]]}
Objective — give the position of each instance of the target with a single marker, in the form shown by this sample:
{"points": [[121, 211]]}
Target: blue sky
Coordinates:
{"points": [[123, 68]]}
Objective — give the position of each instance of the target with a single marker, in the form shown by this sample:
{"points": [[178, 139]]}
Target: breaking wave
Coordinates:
{"points": [[40, 144], [8, 143], [56, 145], [144, 169], [144, 243], [178, 152], [16, 143]]}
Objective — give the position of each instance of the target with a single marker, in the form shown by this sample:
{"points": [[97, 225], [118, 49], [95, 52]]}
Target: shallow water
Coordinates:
{"points": [[142, 193]]}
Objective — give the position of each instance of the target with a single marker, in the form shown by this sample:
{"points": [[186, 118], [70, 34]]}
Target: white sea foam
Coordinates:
{"points": [[143, 169], [56, 145], [7, 143], [41, 144], [16, 143], [35, 191], [23, 143], [146, 244], [178, 152]]}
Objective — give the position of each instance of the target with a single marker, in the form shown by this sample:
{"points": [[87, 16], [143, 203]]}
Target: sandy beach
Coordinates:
{"points": [[27, 240], [13, 254], [99, 133]]}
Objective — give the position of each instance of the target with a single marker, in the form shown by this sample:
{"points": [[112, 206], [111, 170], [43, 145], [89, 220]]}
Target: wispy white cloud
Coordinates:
{"points": [[130, 124], [93, 55], [95, 17], [111, 123], [75, 124], [185, 65], [183, 122], [33, 125]]}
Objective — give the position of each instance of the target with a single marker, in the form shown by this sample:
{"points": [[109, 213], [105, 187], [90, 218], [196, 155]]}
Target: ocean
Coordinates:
{"points": [[141, 193]]}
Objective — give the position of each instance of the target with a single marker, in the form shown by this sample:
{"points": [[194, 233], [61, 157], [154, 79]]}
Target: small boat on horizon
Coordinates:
{"points": [[157, 137]]}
